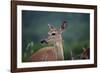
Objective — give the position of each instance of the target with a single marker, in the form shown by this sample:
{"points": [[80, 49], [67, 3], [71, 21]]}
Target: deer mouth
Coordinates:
{"points": [[44, 42]]}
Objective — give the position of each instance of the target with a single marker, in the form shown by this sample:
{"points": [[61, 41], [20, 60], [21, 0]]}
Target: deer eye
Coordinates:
{"points": [[53, 33]]}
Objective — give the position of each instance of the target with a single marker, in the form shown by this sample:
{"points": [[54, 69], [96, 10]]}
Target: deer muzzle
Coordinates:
{"points": [[44, 41]]}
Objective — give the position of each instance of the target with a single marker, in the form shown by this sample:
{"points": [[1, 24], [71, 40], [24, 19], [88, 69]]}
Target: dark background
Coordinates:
{"points": [[35, 27]]}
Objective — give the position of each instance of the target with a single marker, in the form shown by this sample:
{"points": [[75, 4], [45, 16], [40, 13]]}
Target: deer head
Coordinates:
{"points": [[54, 35], [85, 54]]}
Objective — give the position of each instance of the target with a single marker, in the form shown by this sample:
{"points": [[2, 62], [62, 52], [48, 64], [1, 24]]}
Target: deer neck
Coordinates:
{"points": [[59, 48]]}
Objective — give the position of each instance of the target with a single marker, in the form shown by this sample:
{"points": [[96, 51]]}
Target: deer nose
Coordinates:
{"points": [[44, 41]]}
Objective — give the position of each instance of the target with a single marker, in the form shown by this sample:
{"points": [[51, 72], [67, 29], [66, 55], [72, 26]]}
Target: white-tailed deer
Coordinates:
{"points": [[54, 52], [85, 54]]}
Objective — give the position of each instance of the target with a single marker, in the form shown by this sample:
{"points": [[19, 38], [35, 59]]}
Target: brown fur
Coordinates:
{"points": [[85, 54], [44, 54]]}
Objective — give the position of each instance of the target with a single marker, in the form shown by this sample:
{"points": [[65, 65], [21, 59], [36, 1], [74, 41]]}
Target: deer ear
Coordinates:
{"points": [[50, 26], [63, 26]]}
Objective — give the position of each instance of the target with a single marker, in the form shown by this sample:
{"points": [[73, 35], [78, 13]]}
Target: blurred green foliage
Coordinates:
{"points": [[35, 26]]}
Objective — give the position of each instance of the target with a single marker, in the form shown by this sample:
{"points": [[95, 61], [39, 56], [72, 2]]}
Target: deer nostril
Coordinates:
{"points": [[43, 41]]}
